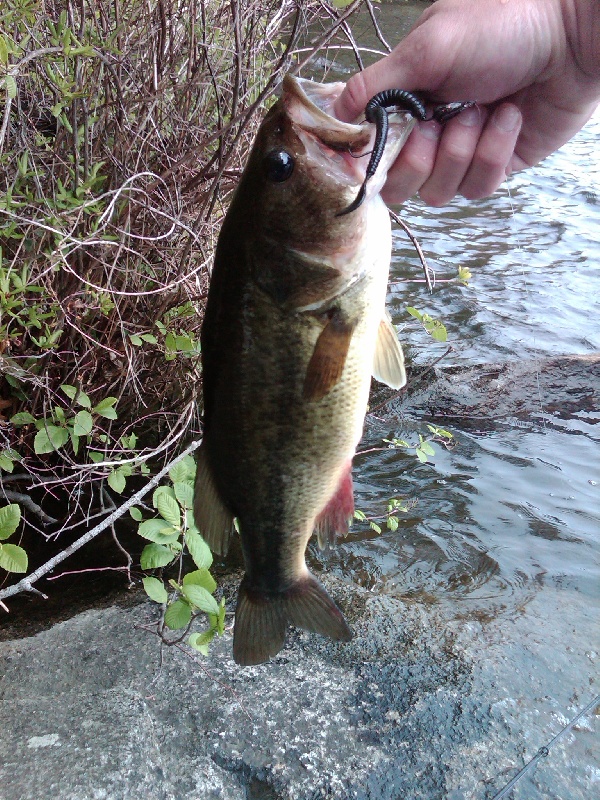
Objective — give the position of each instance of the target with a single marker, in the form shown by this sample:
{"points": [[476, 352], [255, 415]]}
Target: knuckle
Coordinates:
{"points": [[357, 91]]}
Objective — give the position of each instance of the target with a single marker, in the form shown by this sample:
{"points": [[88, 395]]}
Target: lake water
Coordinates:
{"points": [[514, 506]]}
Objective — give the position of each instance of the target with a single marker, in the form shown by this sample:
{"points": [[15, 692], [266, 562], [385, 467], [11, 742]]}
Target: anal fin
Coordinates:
{"points": [[329, 356], [212, 518], [388, 364]]}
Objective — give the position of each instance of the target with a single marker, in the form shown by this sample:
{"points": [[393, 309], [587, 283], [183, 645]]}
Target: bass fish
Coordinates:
{"points": [[295, 325]]}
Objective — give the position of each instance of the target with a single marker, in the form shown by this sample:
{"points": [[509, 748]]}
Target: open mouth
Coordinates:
{"points": [[343, 148]]}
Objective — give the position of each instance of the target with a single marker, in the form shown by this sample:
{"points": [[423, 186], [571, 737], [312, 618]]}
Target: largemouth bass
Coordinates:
{"points": [[295, 325]]}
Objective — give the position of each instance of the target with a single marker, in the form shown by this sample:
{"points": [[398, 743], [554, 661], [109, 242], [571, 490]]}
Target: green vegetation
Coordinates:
{"points": [[171, 535]]}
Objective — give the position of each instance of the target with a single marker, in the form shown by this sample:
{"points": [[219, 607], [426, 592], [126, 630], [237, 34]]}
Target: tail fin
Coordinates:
{"points": [[261, 619]]}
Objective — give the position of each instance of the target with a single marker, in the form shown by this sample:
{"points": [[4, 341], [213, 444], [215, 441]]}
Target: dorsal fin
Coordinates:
{"points": [[388, 364]]}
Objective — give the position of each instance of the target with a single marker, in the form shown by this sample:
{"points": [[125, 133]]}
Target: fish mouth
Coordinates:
{"points": [[342, 148]]}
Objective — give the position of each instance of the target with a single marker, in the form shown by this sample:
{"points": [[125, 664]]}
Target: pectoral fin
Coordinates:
{"points": [[388, 364], [212, 518], [329, 356]]}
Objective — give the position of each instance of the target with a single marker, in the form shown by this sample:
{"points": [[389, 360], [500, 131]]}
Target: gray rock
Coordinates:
{"points": [[423, 703]]}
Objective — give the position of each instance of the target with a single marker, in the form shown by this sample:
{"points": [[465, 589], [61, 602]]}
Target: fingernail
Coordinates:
{"points": [[507, 117], [469, 117], [430, 130]]}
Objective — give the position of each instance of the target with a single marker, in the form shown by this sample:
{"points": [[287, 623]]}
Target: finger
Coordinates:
{"points": [[415, 64], [414, 164], [494, 153], [455, 153]]}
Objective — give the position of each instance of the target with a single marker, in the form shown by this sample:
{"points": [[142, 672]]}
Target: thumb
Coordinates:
{"points": [[415, 64]]}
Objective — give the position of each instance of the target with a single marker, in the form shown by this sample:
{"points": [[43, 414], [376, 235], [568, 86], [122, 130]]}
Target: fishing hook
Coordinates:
{"points": [[376, 112]]}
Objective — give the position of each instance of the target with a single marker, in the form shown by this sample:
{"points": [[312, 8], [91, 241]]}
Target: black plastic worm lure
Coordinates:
{"points": [[376, 112]]}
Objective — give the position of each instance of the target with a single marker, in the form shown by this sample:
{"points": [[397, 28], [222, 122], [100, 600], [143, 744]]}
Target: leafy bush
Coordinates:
{"points": [[123, 133]]}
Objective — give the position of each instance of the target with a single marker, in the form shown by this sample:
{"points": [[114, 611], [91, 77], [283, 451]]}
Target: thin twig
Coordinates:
{"points": [[380, 35], [417, 247], [327, 36], [26, 501]]}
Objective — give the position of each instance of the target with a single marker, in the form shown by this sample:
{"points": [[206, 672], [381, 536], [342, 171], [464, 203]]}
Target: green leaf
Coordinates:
{"points": [[11, 91], [149, 337], [184, 492], [375, 527], [200, 598], [136, 514], [13, 558], [3, 50], [198, 550], [74, 440], [217, 621], [178, 615], [168, 490], [6, 463], [200, 577], [117, 480], [437, 330], [73, 393], [105, 408], [414, 313], [201, 641], [170, 343], [83, 423], [155, 530], [155, 590], [168, 508], [392, 523], [464, 274], [155, 556], [10, 517], [49, 439], [427, 448], [440, 432], [22, 418], [184, 470], [421, 455], [129, 442], [184, 344], [135, 340]]}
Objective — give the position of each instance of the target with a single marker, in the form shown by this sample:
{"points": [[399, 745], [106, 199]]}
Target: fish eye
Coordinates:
{"points": [[278, 165]]}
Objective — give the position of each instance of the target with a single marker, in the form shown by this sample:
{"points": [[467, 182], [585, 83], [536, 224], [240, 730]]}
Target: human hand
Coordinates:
{"points": [[533, 66]]}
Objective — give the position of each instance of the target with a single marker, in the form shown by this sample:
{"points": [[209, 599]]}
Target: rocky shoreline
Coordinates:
{"points": [[429, 701]]}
